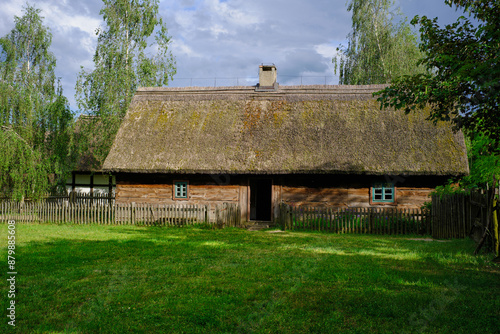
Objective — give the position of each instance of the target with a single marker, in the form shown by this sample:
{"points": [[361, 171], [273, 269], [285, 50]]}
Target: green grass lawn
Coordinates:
{"points": [[127, 279]]}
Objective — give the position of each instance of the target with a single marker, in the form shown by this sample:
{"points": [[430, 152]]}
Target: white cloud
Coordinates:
{"points": [[327, 50], [66, 21], [181, 49], [233, 16], [216, 30]]}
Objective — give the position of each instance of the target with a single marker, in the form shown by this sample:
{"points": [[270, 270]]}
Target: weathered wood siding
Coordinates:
{"points": [[141, 193], [163, 194], [277, 198], [411, 197], [407, 197], [336, 197], [244, 202], [297, 190], [354, 190]]}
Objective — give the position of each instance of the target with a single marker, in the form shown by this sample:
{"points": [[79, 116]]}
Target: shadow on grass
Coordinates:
{"points": [[190, 280]]}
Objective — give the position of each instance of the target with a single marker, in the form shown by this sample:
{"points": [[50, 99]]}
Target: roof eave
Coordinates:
{"points": [[283, 172]]}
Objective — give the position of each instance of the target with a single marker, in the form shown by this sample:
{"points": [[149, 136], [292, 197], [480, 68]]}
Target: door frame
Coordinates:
{"points": [[249, 196]]}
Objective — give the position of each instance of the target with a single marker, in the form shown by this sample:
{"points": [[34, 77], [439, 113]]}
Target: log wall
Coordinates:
{"points": [[296, 190], [406, 197], [412, 198], [335, 197], [163, 194]]}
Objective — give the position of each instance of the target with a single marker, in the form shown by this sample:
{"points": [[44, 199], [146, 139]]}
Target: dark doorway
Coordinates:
{"points": [[260, 199]]}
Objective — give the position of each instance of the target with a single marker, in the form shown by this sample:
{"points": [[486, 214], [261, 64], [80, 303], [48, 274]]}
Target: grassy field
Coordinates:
{"points": [[127, 279]]}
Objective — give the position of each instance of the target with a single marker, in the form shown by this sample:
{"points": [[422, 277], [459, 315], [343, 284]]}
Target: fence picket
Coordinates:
{"points": [[449, 217], [454, 215], [354, 220], [105, 214]]}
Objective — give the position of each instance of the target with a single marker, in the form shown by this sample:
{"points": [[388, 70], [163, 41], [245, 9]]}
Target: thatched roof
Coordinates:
{"points": [[296, 129]]}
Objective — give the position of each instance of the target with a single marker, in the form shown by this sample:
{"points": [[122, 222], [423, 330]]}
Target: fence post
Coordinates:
{"points": [[132, 213], [283, 215], [433, 215]]}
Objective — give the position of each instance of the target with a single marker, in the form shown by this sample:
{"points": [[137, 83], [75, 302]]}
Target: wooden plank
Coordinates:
{"points": [[392, 221], [340, 220], [345, 222], [348, 221]]}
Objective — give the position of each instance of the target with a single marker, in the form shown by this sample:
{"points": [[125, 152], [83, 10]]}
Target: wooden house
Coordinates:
{"points": [[260, 146]]}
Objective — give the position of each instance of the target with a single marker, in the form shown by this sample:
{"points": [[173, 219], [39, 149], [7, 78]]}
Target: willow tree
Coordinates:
{"points": [[378, 49], [34, 115], [132, 51]]}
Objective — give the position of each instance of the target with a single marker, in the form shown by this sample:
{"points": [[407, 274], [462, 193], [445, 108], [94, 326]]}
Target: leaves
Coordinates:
{"points": [[463, 85], [463, 61], [132, 51], [484, 161], [23, 171], [34, 115], [121, 59], [378, 50]]}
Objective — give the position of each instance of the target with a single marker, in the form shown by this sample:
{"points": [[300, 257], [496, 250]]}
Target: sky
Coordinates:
{"points": [[220, 42]]}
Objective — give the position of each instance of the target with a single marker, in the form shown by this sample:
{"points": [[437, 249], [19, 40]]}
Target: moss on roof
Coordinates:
{"points": [[303, 129]]}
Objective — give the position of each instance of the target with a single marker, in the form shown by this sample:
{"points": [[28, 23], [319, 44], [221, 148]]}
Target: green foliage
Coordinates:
{"points": [[34, 114], [427, 206], [57, 124], [484, 161], [462, 83], [121, 59], [91, 141], [26, 73], [378, 50], [23, 171], [449, 188], [125, 59]]}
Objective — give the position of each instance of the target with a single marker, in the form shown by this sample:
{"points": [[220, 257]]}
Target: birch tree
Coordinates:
{"points": [[378, 49], [34, 115], [132, 51]]}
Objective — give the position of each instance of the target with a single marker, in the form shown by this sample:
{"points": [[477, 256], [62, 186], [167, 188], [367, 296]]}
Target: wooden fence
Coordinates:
{"points": [[462, 215], [455, 215], [228, 214], [135, 214], [75, 198], [81, 198], [355, 220]]}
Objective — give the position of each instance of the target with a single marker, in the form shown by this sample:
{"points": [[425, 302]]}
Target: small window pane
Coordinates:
{"points": [[180, 189], [383, 193]]}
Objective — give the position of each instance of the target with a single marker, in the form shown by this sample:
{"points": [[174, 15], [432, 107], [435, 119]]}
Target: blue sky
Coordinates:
{"points": [[223, 39]]}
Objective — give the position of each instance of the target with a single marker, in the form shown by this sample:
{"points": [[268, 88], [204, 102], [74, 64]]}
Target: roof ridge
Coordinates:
{"points": [[300, 89]]}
